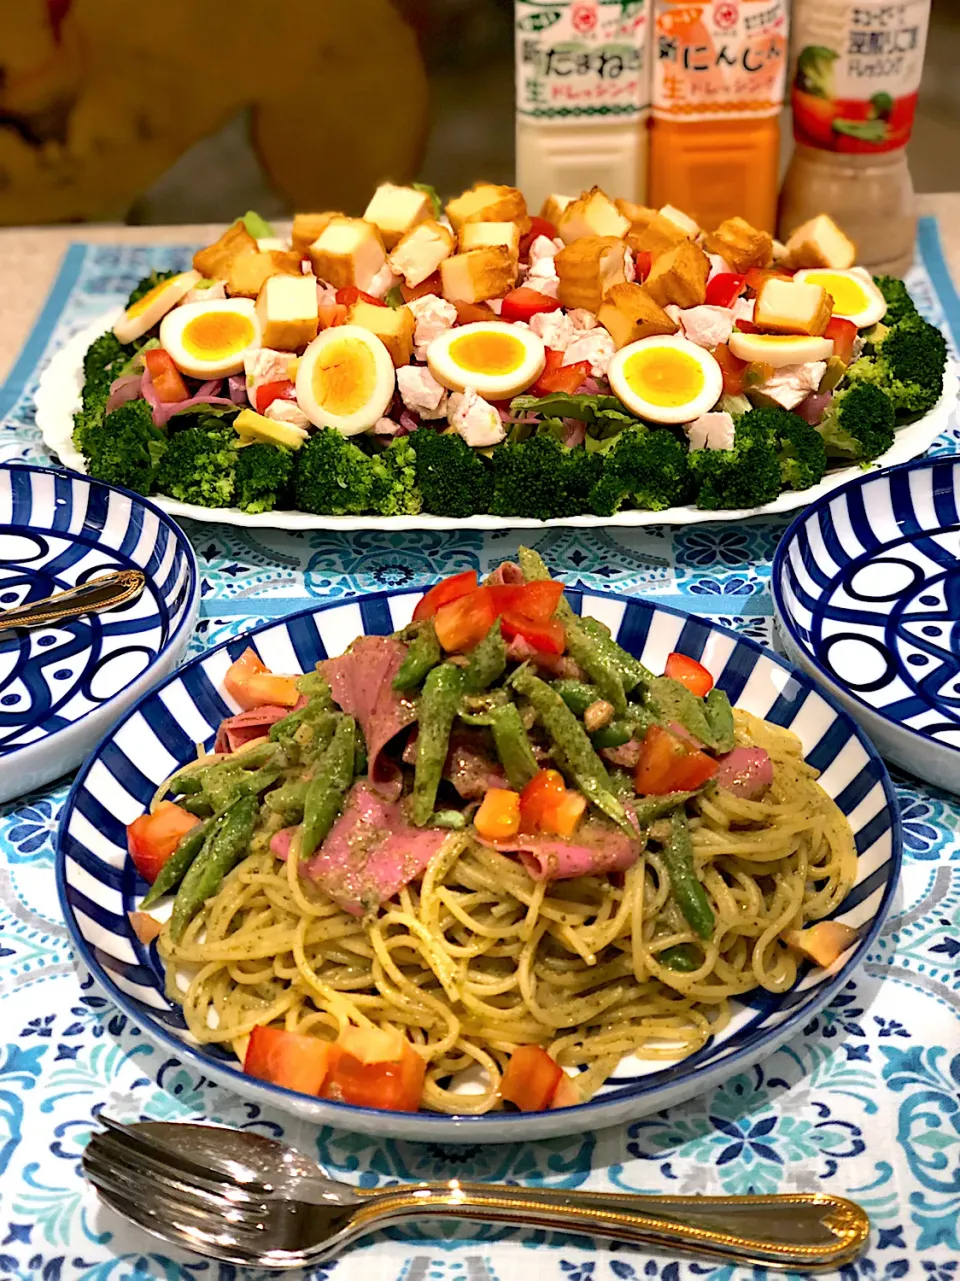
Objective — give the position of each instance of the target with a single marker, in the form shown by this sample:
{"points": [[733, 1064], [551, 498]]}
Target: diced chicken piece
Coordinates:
{"points": [[433, 316], [480, 235], [287, 312], [711, 431], [596, 347], [790, 384], [486, 202], [286, 411], [588, 269], [718, 266], [474, 419], [205, 292], [478, 274], [743, 309], [817, 243], [214, 261], [637, 215], [396, 210], [656, 237], [382, 282], [307, 227], [555, 328], [421, 393], [824, 942], [554, 206], [248, 271], [495, 305], [594, 214], [394, 326], [740, 244], [629, 313], [544, 247], [582, 319], [421, 251], [265, 365], [686, 224], [348, 251], [326, 294], [385, 427], [542, 276], [707, 326], [679, 276], [792, 307]]}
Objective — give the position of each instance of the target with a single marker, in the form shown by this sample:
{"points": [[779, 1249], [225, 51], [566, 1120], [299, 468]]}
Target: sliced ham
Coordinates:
{"points": [[627, 755], [469, 767], [562, 666], [246, 726], [361, 681], [746, 771], [509, 574], [595, 850]]}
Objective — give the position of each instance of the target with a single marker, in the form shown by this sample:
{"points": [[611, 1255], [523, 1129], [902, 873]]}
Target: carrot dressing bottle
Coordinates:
{"points": [[718, 79]]}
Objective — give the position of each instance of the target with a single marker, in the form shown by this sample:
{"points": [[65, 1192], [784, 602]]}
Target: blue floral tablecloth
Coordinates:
{"points": [[866, 1102]]}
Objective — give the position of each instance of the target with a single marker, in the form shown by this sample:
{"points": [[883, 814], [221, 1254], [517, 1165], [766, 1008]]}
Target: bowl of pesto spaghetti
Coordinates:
{"points": [[500, 860]]}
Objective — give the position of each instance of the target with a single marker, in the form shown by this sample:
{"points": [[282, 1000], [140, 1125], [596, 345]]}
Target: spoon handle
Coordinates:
{"points": [[809, 1231], [106, 592]]}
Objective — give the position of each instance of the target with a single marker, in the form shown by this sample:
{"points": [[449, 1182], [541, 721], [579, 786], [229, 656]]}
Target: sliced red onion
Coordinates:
{"points": [[148, 393], [236, 388], [409, 421], [590, 387], [575, 432], [123, 390], [812, 407]]}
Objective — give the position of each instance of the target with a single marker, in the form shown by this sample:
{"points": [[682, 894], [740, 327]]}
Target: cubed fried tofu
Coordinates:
{"points": [[396, 210], [478, 274], [817, 243], [687, 225], [478, 235], [307, 227], [792, 307], [637, 215], [214, 261], [588, 269], [287, 312], [485, 202], [421, 251], [348, 251], [628, 313], [657, 237], [553, 207], [741, 245], [594, 214], [394, 327], [679, 276], [249, 271]]}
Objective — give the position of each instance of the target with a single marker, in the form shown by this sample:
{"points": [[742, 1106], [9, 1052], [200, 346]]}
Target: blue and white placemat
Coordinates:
{"points": [[866, 1102]]}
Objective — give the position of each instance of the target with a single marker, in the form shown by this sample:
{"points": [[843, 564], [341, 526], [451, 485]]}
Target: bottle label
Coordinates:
{"points": [[857, 72], [582, 59], [722, 60]]}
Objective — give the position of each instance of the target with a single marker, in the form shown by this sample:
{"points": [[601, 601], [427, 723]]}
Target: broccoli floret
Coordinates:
{"points": [[800, 450], [648, 469], [907, 364], [101, 354], [395, 490], [543, 479], [262, 477], [147, 283], [125, 448], [899, 302], [199, 465], [104, 360], [748, 475], [454, 480], [332, 476], [858, 423], [815, 70]]}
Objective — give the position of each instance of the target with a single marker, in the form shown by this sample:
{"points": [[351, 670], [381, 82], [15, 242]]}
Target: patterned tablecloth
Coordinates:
{"points": [[866, 1102]]}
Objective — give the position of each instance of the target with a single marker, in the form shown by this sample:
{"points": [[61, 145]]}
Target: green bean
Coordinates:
{"points": [[198, 805], [288, 800], [535, 570], [649, 808], [193, 778], [314, 685], [571, 745], [488, 662], [452, 820], [599, 666], [226, 845], [682, 957], [324, 796], [513, 746], [175, 868], [720, 715], [439, 703], [632, 672], [224, 786], [311, 714], [613, 735], [688, 893], [675, 702], [422, 654], [577, 695]]}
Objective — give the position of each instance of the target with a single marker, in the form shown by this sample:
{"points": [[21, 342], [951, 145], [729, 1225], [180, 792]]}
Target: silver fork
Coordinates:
{"points": [[243, 1199]]}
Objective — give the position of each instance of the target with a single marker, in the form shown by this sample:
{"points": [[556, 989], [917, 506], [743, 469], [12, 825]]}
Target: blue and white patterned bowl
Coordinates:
{"points": [[98, 884], [866, 585], [62, 687]]}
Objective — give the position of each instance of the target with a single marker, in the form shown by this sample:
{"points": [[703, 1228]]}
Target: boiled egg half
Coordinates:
{"points": [[666, 379], [855, 296], [777, 350], [154, 305], [345, 379], [496, 359], [210, 339]]}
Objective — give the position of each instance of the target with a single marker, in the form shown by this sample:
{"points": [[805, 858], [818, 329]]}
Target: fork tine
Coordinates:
{"points": [[160, 1162], [154, 1148]]}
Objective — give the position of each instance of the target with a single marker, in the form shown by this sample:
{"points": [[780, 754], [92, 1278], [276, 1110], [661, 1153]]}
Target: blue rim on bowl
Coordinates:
{"points": [[131, 972]]}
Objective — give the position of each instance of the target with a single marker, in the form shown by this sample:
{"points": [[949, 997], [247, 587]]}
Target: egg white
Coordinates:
{"points": [[637, 403], [188, 362], [383, 379], [778, 350], [149, 310], [874, 306], [490, 384]]}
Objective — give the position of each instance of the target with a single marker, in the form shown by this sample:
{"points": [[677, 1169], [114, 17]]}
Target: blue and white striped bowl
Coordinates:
{"points": [[98, 884], [62, 687], [866, 585]]}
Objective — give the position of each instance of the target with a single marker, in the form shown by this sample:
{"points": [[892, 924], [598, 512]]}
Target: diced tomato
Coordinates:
{"points": [[538, 227], [442, 593], [522, 303], [543, 792], [642, 262], [531, 1079], [725, 288], [564, 817], [824, 942], [548, 636], [432, 285], [732, 368], [330, 314], [498, 817], [267, 393], [563, 378], [755, 276], [686, 670], [249, 682], [464, 622], [566, 1095], [844, 335], [668, 764], [370, 1068], [165, 376], [291, 1059], [152, 838], [347, 296], [538, 600], [747, 326], [469, 313]]}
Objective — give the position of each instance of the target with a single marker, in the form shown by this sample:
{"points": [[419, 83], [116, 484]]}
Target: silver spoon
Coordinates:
{"points": [[245, 1199], [107, 592]]}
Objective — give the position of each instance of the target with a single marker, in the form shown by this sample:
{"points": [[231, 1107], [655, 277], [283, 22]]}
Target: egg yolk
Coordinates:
{"points": [[849, 296], [487, 353], [664, 376], [151, 296], [216, 334], [344, 377]]}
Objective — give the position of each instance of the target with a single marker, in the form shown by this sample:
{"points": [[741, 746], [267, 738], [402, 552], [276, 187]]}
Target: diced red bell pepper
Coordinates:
{"points": [[498, 817], [330, 314], [442, 593], [538, 227], [370, 1068], [152, 838], [350, 294], [732, 368], [747, 326], [531, 1079], [547, 636], [668, 764], [165, 376], [291, 1059], [537, 600], [724, 289], [686, 670], [522, 303], [463, 623], [251, 684], [558, 377], [642, 262], [844, 335], [267, 393], [432, 285]]}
